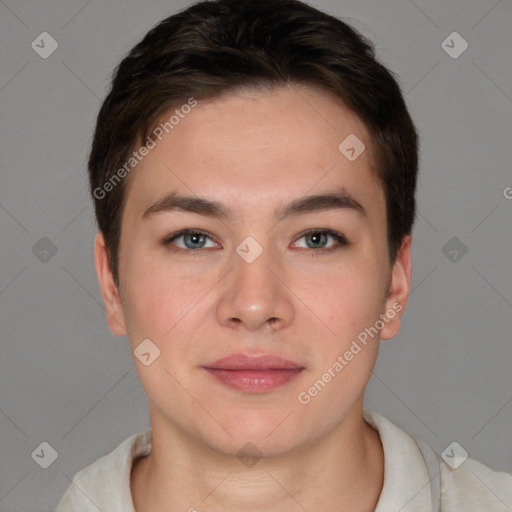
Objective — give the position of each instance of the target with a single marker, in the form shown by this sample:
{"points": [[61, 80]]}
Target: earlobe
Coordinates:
{"points": [[399, 288], [109, 291]]}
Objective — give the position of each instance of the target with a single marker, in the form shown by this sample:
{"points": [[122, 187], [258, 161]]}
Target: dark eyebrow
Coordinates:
{"points": [[320, 202], [207, 207]]}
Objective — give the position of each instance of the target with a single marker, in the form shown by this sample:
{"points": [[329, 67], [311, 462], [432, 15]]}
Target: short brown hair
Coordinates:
{"points": [[214, 47]]}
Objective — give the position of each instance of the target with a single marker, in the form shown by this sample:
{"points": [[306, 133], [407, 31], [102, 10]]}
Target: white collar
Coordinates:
{"points": [[406, 480]]}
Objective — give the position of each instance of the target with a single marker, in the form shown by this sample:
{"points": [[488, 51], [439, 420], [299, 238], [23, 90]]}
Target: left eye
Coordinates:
{"points": [[320, 237]]}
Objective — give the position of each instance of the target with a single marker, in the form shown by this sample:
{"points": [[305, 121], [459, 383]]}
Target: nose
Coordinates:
{"points": [[255, 295]]}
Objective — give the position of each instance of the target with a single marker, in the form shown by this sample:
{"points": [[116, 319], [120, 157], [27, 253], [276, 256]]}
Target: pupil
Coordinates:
{"points": [[194, 238], [315, 237]]}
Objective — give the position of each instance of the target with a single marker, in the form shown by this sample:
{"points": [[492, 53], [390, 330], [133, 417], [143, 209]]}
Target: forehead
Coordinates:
{"points": [[263, 145]]}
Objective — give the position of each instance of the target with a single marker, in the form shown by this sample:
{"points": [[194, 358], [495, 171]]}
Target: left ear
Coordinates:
{"points": [[398, 293]]}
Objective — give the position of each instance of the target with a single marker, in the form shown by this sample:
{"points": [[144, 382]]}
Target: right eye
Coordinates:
{"points": [[193, 240]]}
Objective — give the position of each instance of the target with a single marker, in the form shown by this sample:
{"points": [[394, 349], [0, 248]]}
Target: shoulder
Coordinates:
{"points": [[474, 486], [88, 490], [417, 478]]}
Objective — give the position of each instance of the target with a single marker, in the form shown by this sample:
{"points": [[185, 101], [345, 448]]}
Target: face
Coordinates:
{"points": [[266, 272]]}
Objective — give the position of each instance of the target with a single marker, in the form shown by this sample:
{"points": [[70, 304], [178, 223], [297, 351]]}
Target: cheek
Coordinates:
{"points": [[161, 298], [351, 302], [348, 298], [153, 296]]}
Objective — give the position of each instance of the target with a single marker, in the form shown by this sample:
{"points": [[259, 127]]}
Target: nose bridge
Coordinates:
{"points": [[252, 270], [255, 295]]}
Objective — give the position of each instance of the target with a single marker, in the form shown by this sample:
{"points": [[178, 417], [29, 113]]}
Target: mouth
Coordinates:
{"points": [[252, 374]]}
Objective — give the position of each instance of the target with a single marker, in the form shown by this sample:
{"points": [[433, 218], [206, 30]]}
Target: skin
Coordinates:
{"points": [[255, 151]]}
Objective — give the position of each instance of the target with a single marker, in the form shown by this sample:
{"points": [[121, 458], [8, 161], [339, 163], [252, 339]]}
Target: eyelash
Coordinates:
{"points": [[338, 237]]}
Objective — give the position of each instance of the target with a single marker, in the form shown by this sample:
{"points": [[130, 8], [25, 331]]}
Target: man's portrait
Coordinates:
{"points": [[257, 257]]}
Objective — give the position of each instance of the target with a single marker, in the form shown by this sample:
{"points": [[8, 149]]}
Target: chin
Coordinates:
{"points": [[256, 434]]}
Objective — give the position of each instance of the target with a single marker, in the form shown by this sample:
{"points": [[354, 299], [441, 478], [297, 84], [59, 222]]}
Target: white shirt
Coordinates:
{"points": [[408, 485]]}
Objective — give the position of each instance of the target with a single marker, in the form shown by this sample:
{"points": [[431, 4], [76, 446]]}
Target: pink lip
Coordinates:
{"points": [[255, 374], [248, 362]]}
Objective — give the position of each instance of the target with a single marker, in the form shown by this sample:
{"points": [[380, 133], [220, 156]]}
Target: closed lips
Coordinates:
{"points": [[243, 362]]}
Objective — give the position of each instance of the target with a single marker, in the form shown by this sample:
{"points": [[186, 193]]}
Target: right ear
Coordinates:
{"points": [[111, 298]]}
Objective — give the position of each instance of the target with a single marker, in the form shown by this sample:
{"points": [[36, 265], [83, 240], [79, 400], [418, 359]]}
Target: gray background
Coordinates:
{"points": [[65, 380]]}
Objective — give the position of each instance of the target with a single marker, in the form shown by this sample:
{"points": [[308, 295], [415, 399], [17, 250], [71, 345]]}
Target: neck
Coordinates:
{"points": [[344, 471]]}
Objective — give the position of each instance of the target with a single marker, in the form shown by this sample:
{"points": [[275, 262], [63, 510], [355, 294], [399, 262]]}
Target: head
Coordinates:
{"points": [[248, 108]]}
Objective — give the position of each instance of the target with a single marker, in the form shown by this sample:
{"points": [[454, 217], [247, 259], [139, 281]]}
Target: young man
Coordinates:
{"points": [[254, 172]]}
